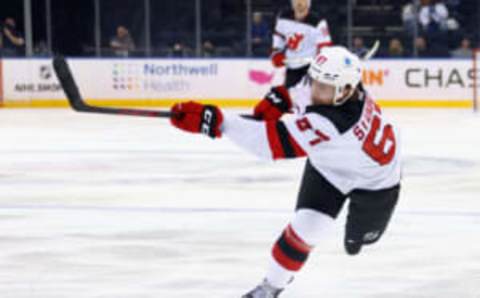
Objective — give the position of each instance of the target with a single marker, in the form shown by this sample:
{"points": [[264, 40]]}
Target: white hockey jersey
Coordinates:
{"points": [[298, 39], [354, 146]]}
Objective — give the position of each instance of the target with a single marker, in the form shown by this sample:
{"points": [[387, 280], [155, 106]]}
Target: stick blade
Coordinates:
{"points": [[373, 51]]}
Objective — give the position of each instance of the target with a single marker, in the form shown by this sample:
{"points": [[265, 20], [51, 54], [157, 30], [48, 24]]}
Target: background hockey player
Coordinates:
{"points": [[299, 34], [353, 152]]}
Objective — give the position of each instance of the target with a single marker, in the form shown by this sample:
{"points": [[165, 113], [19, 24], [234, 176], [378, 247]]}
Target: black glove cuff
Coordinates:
{"points": [[209, 121]]}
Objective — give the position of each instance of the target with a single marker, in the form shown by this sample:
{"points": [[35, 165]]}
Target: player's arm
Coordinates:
{"points": [[324, 38], [269, 140], [16, 40], [279, 44], [292, 137]]}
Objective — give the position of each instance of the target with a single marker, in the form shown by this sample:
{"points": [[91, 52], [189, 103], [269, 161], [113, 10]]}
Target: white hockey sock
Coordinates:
{"points": [[278, 276], [291, 250]]}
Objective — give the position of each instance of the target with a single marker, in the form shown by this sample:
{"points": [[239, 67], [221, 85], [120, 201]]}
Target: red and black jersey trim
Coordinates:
{"points": [[324, 44], [282, 144]]}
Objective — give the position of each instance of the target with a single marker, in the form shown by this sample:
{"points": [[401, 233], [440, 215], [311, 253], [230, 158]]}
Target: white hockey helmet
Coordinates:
{"points": [[338, 67]]}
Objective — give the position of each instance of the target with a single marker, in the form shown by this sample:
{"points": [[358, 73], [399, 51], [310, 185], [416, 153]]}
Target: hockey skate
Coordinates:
{"points": [[264, 290]]}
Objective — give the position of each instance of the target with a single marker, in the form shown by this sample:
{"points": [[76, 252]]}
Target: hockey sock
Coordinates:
{"points": [[289, 254]]}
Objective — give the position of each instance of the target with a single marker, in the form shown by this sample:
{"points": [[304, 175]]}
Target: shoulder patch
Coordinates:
{"points": [[342, 117]]}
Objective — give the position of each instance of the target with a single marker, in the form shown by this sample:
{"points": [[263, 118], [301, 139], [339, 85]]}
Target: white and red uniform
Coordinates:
{"points": [[296, 42], [300, 39], [353, 151], [353, 146]]}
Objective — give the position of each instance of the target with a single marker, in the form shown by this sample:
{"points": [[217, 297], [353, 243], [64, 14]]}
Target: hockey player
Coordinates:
{"points": [[298, 36], [352, 150]]}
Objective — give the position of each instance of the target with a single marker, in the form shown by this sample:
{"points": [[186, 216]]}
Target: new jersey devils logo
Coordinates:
{"points": [[321, 59], [294, 41]]}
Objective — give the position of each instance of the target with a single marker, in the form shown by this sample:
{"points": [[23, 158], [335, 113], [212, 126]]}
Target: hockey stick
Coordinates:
{"points": [[64, 75], [372, 51], [304, 60]]}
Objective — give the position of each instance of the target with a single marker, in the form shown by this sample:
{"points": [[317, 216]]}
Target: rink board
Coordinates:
{"points": [[226, 82]]}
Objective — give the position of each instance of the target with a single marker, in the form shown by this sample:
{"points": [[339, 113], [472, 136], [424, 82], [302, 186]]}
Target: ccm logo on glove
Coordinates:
{"points": [[197, 118], [208, 119]]}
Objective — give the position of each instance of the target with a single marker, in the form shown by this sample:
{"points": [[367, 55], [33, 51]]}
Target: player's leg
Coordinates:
{"points": [[291, 251], [369, 213], [318, 205]]}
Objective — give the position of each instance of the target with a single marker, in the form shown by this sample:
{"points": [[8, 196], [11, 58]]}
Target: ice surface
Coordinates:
{"points": [[115, 207]]}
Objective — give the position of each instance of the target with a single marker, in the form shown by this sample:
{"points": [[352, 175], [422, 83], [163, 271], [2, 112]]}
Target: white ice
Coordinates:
{"points": [[116, 207]]}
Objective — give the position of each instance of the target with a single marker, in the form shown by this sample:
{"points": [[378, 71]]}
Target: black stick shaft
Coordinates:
{"points": [[65, 76], [76, 101]]}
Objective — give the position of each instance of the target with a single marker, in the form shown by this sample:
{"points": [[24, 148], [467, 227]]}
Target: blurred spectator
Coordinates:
{"points": [[409, 17], [433, 18], [260, 36], [465, 49], [395, 48], [122, 43], [208, 49], [12, 41], [260, 30], [359, 48], [178, 50], [421, 47]]}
